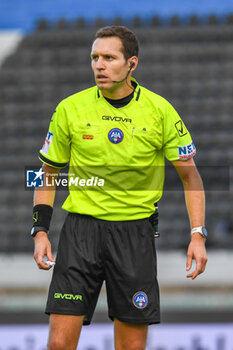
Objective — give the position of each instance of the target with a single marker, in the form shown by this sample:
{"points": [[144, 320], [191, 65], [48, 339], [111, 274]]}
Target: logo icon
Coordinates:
{"points": [[35, 178], [115, 135], [47, 142], [186, 152], [88, 137], [140, 300], [35, 216], [181, 128], [68, 296], [116, 119]]}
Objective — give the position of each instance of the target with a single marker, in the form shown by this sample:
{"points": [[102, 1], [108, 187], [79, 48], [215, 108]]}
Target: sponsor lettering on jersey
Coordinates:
{"points": [[116, 119], [186, 152], [47, 142], [140, 300], [115, 135], [68, 296]]}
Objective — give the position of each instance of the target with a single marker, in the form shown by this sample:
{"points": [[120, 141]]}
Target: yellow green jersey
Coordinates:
{"points": [[116, 156]]}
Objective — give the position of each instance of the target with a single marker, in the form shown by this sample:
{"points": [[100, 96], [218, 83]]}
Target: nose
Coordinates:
{"points": [[99, 64]]}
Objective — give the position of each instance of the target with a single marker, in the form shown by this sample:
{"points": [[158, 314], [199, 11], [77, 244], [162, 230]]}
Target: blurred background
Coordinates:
{"points": [[186, 55]]}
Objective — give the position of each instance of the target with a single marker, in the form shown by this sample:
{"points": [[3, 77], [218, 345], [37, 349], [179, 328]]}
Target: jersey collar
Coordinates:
{"points": [[137, 91]]}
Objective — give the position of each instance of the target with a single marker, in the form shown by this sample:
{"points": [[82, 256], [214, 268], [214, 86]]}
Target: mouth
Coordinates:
{"points": [[101, 77]]}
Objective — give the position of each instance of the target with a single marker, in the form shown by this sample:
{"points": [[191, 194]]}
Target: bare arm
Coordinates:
{"points": [[45, 195], [195, 203]]}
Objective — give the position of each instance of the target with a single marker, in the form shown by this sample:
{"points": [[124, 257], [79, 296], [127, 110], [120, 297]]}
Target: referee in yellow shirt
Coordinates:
{"points": [[115, 137]]}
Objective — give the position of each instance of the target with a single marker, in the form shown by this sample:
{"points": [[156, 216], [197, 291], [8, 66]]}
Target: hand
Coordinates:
{"points": [[196, 251], [42, 249]]}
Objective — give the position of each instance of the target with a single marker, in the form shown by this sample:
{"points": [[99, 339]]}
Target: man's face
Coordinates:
{"points": [[108, 62]]}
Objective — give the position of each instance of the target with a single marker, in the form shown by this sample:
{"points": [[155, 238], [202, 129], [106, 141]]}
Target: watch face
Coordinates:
{"points": [[36, 229], [204, 232]]}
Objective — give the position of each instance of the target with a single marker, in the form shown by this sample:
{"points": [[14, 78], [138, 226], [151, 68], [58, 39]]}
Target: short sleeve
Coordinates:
{"points": [[56, 148], [177, 141]]}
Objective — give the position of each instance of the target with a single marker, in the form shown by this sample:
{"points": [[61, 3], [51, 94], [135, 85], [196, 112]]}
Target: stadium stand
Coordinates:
{"points": [[190, 66]]}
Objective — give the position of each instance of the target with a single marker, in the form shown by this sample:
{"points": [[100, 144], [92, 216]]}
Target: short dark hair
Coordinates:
{"points": [[127, 37]]}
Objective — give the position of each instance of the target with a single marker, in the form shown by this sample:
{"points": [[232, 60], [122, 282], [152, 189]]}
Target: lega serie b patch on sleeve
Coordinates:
{"points": [[47, 143], [187, 151]]}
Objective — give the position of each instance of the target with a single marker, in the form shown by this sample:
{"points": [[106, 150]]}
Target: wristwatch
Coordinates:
{"points": [[36, 229], [201, 229]]}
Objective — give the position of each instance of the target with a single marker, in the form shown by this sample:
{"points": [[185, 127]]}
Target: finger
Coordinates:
{"points": [[50, 255], [195, 273], [43, 266], [190, 275], [204, 264], [199, 269], [40, 262], [189, 262]]}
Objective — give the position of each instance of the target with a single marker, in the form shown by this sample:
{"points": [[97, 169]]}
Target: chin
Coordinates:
{"points": [[103, 86]]}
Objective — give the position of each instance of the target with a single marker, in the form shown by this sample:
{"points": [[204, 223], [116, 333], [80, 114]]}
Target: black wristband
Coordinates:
{"points": [[42, 215]]}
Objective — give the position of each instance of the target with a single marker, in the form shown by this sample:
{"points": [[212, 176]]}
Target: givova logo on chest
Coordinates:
{"points": [[116, 119]]}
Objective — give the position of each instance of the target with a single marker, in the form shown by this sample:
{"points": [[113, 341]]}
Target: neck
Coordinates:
{"points": [[119, 91]]}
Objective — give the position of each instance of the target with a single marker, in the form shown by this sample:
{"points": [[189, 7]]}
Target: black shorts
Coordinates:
{"points": [[120, 252]]}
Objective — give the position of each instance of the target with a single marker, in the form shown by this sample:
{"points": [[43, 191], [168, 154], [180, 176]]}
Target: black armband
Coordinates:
{"points": [[42, 215]]}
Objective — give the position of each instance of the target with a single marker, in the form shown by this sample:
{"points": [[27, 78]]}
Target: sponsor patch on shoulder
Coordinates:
{"points": [[187, 151], [140, 300], [47, 142]]}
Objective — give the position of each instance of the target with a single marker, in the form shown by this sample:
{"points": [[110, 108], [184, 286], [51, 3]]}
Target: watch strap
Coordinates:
{"points": [[200, 229], [36, 229]]}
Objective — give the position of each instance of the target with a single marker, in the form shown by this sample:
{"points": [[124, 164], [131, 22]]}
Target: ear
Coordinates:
{"points": [[131, 65], [132, 62]]}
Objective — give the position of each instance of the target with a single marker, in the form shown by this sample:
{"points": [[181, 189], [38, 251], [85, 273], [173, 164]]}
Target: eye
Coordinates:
{"points": [[94, 57], [109, 57]]}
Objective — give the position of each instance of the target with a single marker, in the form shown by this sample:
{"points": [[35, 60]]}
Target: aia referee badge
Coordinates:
{"points": [[140, 300], [115, 135]]}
